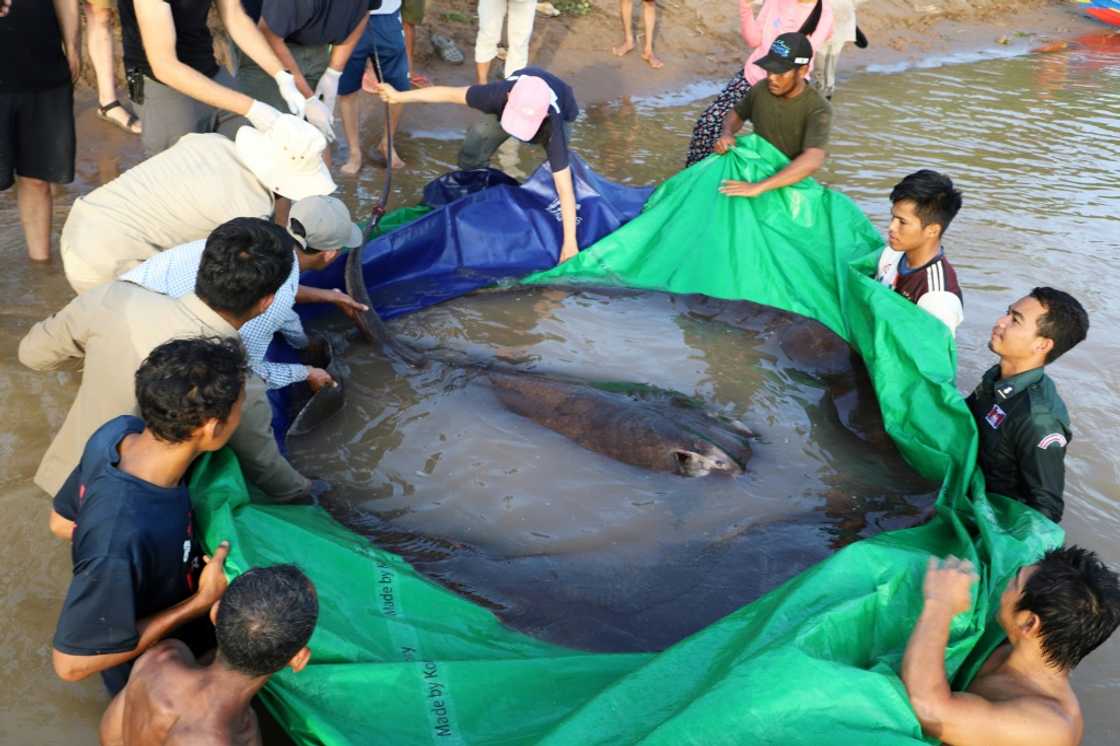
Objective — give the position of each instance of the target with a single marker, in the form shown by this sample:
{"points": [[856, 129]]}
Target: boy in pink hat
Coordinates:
{"points": [[532, 105]]}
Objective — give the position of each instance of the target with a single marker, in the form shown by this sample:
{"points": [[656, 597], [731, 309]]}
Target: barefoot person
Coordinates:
{"points": [[127, 512], [776, 17], [914, 264], [786, 112], [532, 105], [263, 624], [1023, 423], [1054, 613], [99, 39], [40, 58], [649, 21], [382, 40]]}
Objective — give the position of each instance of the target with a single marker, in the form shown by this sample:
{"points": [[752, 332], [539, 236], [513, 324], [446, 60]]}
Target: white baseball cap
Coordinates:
{"points": [[288, 158], [323, 224]]}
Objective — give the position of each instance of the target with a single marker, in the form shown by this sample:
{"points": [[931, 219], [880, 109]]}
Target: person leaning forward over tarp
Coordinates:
{"points": [[172, 73], [1023, 423], [187, 191], [313, 39], [113, 327], [786, 112], [320, 226], [1054, 612], [532, 105]]}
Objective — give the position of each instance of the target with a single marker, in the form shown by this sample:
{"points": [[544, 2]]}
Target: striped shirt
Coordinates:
{"points": [[173, 273], [933, 287]]}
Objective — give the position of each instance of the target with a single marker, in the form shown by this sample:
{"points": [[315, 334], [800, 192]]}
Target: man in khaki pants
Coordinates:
{"points": [[491, 13]]}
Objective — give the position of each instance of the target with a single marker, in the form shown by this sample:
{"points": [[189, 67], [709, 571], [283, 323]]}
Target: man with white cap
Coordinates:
{"points": [[187, 191], [532, 105], [320, 227]]}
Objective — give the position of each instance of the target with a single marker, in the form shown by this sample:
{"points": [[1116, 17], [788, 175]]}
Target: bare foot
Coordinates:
{"points": [[624, 48], [352, 166], [397, 162], [652, 60]]}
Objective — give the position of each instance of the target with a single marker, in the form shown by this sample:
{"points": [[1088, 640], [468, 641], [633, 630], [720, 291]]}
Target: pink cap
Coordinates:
{"points": [[526, 107]]}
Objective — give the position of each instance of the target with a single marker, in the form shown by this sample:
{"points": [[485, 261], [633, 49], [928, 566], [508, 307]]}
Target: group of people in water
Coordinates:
{"points": [[188, 264]]}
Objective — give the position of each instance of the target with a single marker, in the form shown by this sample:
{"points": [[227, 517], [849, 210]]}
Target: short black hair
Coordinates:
{"points": [[1066, 321], [267, 614], [1077, 599], [935, 198], [245, 259], [185, 382]]}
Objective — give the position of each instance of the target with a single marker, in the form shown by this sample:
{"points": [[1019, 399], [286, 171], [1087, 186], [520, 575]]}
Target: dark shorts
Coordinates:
{"points": [[37, 135], [386, 34]]}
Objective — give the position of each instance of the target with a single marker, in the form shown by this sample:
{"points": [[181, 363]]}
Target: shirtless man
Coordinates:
{"points": [[1055, 612], [263, 623]]}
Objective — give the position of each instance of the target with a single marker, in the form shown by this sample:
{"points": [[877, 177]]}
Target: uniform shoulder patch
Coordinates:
{"points": [[1053, 439]]}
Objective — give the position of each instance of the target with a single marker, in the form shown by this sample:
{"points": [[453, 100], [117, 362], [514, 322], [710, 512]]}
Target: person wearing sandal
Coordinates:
{"points": [[173, 76], [40, 58], [313, 39], [99, 39]]}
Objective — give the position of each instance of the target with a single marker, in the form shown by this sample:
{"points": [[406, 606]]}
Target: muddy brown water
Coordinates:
{"points": [[1032, 142]]}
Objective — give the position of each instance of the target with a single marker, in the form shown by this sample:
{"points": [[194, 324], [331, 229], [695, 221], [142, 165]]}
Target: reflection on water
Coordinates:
{"points": [[1033, 143]]}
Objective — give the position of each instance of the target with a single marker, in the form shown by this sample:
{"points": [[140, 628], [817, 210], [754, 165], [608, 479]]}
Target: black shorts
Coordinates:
{"points": [[37, 135]]}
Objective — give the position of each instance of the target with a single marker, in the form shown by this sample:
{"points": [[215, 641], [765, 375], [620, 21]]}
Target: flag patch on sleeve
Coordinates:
{"points": [[1053, 439]]}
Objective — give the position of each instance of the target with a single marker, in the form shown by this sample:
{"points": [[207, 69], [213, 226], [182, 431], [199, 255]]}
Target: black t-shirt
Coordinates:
{"points": [[313, 22], [193, 44], [491, 99], [133, 550], [31, 57]]}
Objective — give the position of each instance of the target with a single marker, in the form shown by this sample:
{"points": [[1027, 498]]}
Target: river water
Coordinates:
{"points": [[1030, 140]]}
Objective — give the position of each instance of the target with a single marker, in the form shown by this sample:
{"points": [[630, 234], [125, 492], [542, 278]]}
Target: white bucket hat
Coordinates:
{"points": [[325, 224], [288, 158]]}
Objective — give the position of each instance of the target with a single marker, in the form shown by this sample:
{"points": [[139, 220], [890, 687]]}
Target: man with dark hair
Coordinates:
{"points": [[1054, 612], [922, 206], [1023, 423], [115, 325], [786, 112], [263, 623], [128, 513]]}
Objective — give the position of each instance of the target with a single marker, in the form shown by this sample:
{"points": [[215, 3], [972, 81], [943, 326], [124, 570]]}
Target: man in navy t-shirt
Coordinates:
{"points": [[532, 105], [127, 511]]}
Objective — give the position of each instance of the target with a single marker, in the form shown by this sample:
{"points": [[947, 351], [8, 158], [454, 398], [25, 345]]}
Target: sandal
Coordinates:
{"points": [[103, 114], [419, 80], [548, 10], [446, 49]]}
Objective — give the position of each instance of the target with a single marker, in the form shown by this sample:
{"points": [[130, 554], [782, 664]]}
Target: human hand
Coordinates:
{"points": [[724, 144], [345, 303], [73, 60], [317, 113], [389, 94], [327, 89], [289, 92], [212, 582], [567, 251], [262, 116], [949, 583], [5, 6], [317, 378], [740, 188]]}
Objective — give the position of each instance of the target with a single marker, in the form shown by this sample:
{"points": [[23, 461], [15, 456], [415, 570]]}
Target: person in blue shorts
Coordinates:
{"points": [[127, 513], [384, 34]]}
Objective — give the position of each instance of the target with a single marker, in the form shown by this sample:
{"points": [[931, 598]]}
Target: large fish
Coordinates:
{"points": [[369, 324], [637, 425]]}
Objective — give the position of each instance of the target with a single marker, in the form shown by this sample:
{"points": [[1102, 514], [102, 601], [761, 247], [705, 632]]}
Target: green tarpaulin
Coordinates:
{"points": [[398, 659]]}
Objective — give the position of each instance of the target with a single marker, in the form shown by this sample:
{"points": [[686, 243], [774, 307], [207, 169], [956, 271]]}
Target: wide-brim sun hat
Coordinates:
{"points": [[288, 158], [526, 107]]}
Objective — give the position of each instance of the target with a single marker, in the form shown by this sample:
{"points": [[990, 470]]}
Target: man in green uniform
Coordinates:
{"points": [[1023, 423], [786, 112]]}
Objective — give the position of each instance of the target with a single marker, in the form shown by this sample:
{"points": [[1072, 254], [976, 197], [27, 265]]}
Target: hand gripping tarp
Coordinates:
{"points": [[400, 660], [502, 231]]}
